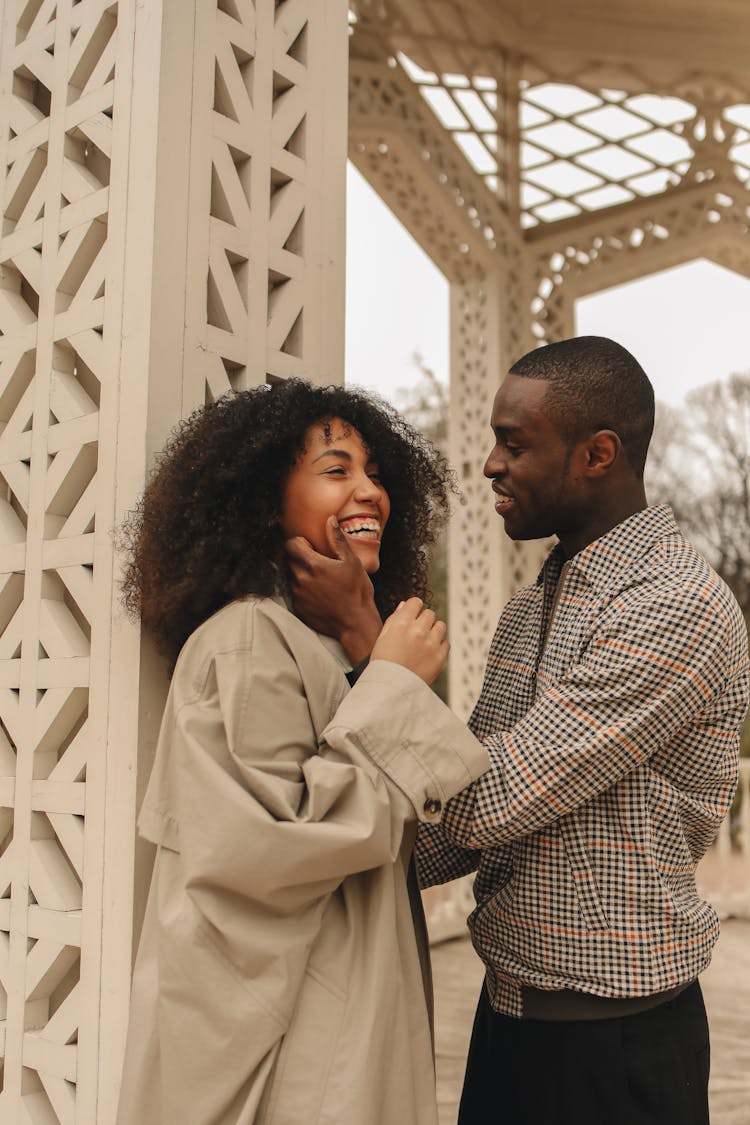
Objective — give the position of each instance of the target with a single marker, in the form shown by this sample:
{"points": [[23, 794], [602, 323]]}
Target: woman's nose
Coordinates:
{"points": [[367, 489]]}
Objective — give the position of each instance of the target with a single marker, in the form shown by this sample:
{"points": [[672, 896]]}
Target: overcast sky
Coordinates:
{"points": [[686, 326]]}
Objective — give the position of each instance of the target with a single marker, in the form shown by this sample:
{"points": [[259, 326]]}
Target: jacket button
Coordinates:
{"points": [[432, 806]]}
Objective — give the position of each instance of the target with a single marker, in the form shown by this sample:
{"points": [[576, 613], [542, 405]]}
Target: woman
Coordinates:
{"points": [[282, 976]]}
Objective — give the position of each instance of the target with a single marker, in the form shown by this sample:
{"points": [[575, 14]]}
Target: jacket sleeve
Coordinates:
{"points": [[265, 814], [653, 674], [423, 747], [439, 859]]}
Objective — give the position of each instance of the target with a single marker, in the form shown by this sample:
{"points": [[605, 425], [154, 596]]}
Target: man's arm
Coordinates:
{"points": [[651, 673], [439, 860]]}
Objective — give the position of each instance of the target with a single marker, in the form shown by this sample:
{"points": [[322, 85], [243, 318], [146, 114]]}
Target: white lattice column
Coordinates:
{"points": [[488, 333], [173, 182], [479, 360], [266, 212]]}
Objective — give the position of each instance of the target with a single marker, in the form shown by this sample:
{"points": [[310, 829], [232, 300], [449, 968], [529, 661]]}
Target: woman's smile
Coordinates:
{"points": [[360, 526]]}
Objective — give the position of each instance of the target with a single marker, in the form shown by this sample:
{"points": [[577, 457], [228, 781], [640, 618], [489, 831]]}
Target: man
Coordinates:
{"points": [[615, 688]]}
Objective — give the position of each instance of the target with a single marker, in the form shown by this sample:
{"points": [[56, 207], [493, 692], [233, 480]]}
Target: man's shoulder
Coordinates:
{"points": [[674, 577], [685, 571]]}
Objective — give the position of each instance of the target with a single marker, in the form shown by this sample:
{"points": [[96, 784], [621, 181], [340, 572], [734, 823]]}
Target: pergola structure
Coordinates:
{"points": [[173, 227]]}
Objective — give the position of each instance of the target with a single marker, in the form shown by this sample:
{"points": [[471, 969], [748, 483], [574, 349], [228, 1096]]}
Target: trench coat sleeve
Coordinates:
{"points": [[409, 733], [263, 814]]}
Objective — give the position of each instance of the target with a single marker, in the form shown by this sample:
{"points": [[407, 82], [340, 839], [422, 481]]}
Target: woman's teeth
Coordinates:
{"points": [[365, 529]]}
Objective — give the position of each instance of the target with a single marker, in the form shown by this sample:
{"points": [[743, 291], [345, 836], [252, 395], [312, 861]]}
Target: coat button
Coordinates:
{"points": [[432, 806]]}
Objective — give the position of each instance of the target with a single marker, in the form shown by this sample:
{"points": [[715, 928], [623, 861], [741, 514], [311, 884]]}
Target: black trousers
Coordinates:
{"points": [[644, 1069]]}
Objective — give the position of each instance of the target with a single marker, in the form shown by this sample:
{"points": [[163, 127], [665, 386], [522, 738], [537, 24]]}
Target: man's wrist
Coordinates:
{"points": [[358, 641]]}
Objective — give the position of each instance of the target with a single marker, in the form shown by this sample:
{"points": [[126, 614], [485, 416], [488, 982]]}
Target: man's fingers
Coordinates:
{"points": [[301, 551], [337, 540], [303, 554]]}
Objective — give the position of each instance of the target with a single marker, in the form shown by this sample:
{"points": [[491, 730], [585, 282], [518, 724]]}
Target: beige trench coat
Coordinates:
{"points": [[279, 979]]}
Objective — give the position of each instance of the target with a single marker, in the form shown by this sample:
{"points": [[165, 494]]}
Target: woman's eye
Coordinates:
{"points": [[337, 470]]}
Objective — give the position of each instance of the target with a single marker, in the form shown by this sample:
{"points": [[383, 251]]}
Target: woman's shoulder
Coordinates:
{"points": [[260, 641], [232, 625], [260, 624]]}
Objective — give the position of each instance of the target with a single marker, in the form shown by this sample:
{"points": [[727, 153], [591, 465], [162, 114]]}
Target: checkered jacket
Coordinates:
{"points": [[613, 695]]}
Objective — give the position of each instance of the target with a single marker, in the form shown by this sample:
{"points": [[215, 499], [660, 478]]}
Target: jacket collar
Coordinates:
{"points": [[604, 562], [334, 647]]}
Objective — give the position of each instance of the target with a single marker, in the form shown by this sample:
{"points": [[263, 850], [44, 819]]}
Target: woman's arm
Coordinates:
{"points": [[266, 814]]}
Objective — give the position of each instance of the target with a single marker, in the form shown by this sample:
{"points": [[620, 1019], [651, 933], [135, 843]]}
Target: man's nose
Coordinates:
{"points": [[494, 466]]}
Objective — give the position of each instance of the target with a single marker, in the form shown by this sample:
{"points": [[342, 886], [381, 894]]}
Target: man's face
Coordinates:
{"points": [[531, 466]]}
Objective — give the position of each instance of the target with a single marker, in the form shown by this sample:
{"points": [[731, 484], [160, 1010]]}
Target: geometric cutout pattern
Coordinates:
{"points": [[400, 147], [583, 146], [258, 73], [475, 535], [251, 317], [56, 131], [708, 219]]}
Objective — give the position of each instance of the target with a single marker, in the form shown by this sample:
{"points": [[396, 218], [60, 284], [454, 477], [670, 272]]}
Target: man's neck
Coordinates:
{"points": [[603, 520]]}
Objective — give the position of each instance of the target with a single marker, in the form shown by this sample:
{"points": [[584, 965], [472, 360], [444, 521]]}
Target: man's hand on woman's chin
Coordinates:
{"points": [[334, 595]]}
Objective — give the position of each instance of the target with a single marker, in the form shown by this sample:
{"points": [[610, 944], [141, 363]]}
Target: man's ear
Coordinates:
{"points": [[602, 451]]}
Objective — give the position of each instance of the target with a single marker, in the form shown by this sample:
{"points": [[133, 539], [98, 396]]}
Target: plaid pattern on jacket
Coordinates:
{"points": [[610, 709]]}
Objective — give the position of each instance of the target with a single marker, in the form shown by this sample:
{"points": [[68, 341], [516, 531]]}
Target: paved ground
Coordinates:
{"points": [[726, 988]]}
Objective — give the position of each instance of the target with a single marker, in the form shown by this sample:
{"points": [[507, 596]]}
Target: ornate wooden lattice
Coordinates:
{"points": [[465, 227], [58, 358], [671, 168], [173, 188], [261, 306]]}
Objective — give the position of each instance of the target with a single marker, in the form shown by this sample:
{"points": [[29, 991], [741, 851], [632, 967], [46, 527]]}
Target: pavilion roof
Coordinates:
{"points": [[666, 36]]}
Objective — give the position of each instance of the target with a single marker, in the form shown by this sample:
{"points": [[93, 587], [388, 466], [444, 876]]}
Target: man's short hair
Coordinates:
{"points": [[595, 384]]}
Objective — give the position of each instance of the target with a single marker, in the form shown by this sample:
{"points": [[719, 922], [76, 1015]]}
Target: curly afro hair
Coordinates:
{"points": [[207, 529]]}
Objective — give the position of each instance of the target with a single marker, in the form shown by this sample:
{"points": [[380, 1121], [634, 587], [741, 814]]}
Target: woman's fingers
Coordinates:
{"points": [[414, 637]]}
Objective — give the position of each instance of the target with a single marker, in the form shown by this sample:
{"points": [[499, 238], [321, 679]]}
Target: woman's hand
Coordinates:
{"points": [[413, 637]]}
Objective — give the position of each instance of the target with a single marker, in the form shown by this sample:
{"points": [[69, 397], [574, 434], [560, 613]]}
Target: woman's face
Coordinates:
{"points": [[336, 476]]}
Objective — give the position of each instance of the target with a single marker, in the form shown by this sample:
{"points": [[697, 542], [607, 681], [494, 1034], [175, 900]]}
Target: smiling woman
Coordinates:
{"points": [[282, 966], [241, 475]]}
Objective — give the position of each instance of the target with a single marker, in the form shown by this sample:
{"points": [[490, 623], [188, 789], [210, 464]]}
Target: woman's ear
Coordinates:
{"points": [[602, 452]]}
